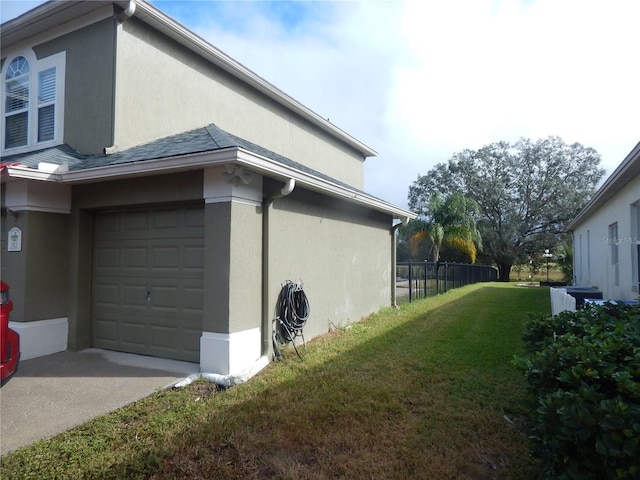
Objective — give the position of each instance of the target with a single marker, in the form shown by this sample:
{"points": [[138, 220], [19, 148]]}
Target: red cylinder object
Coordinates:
{"points": [[9, 339]]}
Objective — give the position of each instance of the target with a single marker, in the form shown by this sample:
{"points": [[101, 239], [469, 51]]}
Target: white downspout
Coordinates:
{"points": [[126, 14], [266, 318], [394, 229]]}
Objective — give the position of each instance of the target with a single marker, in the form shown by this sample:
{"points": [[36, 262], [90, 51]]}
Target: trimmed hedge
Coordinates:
{"points": [[584, 369]]}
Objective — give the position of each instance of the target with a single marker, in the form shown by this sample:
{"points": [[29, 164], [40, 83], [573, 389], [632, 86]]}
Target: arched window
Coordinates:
{"points": [[33, 104], [17, 103]]}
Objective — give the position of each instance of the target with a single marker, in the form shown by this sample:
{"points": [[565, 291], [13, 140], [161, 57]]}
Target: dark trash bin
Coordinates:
{"points": [[582, 293]]}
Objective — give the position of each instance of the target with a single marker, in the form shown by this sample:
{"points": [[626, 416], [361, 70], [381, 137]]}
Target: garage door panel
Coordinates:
{"points": [[134, 259], [136, 221], [148, 276], [166, 299], [133, 333], [165, 259], [192, 298], [163, 337], [134, 296], [107, 259], [108, 223], [106, 330], [106, 295], [193, 258]]}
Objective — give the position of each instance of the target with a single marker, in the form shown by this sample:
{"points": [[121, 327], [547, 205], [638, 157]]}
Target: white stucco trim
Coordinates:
{"points": [[232, 183], [229, 353], [41, 337], [38, 196]]}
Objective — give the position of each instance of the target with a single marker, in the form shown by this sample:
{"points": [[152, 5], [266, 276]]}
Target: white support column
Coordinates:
{"points": [[225, 310]]}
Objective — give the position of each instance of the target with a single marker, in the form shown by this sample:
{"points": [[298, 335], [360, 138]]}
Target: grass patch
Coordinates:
{"points": [[419, 392]]}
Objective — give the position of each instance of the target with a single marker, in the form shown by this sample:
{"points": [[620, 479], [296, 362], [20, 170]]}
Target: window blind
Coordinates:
{"points": [[46, 104], [16, 129]]}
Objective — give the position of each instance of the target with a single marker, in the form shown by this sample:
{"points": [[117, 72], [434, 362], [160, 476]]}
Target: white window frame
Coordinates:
{"points": [[57, 61]]}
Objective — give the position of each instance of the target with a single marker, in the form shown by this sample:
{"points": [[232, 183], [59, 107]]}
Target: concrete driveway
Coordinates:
{"points": [[54, 393]]}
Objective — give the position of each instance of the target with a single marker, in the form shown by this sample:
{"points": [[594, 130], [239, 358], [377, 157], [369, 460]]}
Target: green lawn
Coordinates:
{"points": [[419, 392]]}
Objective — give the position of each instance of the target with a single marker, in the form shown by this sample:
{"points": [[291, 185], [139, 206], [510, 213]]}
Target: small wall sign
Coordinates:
{"points": [[14, 243]]}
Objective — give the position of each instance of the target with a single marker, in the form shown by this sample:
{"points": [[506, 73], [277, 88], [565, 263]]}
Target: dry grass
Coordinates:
{"points": [[420, 392]]}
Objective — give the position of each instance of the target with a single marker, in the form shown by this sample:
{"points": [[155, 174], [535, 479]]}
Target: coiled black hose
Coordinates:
{"points": [[293, 311]]}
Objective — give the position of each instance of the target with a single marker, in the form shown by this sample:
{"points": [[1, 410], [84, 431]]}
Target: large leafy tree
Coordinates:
{"points": [[448, 221], [527, 193]]}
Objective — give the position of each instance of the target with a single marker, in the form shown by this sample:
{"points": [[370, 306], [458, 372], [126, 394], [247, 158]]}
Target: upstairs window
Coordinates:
{"points": [[33, 102], [17, 103]]}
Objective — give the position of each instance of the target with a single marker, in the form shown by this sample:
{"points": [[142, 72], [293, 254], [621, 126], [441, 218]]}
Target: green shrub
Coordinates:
{"points": [[584, 369]]}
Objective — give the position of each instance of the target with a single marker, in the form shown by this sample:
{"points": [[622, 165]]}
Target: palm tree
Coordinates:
{"points": [[449, 221]]}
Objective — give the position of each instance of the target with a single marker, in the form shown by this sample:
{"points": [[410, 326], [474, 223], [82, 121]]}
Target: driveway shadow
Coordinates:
{"points": [[51, 394]]}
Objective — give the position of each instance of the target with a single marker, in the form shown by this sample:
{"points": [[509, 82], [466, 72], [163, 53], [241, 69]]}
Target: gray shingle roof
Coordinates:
{"points": [[199, 140]]}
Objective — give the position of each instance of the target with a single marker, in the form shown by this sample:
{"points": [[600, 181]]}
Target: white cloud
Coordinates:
{"points": [[419, 80], [486, 71]]}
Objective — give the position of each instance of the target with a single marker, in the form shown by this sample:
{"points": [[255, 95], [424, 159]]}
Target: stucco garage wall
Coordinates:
{"points": [[37, 276], [341, 252]]}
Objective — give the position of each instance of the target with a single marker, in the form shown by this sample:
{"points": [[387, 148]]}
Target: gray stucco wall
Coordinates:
{"points": [[341, 252], [89, 84], [233, 275], [37, 275], [167, 89]]}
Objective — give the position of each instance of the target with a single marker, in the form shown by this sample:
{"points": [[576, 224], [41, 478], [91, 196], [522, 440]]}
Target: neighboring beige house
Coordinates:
{"points": [[606, 234], [156, 194]]}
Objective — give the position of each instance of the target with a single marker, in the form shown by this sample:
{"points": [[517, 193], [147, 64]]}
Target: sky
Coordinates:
{"points": [[420, 80]]}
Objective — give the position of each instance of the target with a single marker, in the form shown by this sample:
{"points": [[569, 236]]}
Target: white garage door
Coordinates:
{"points": [[147, 281]]}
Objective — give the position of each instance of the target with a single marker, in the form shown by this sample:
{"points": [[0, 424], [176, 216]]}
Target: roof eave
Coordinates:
{"points": [[623, 174], [238, 155]]}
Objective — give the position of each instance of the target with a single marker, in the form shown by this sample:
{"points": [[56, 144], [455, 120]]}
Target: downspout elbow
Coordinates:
{"points": [[128, 12], [286, 190]]}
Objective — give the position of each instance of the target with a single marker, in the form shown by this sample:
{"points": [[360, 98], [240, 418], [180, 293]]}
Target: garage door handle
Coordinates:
{"points": [[148, 296]]}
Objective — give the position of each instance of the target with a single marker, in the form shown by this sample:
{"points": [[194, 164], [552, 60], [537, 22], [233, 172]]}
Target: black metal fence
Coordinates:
{"points": [[415, 280]]}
